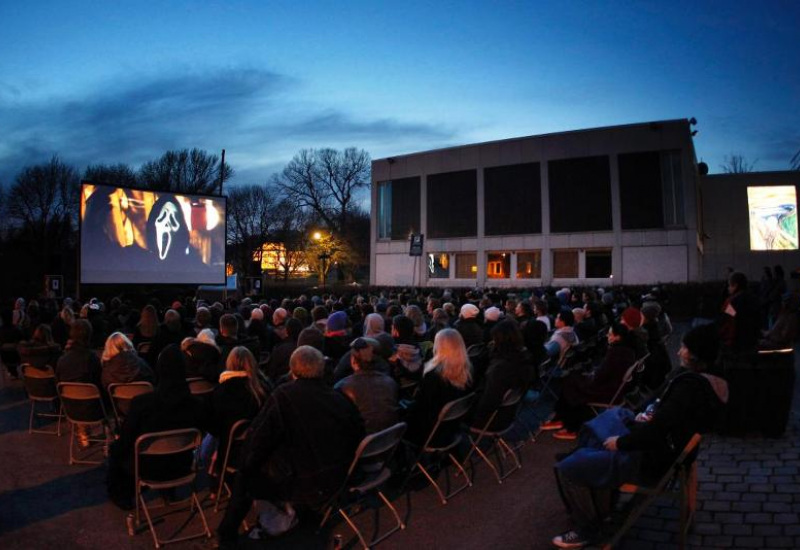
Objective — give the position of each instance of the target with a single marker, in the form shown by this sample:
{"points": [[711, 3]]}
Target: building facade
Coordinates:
{"points": [[616, 205]]}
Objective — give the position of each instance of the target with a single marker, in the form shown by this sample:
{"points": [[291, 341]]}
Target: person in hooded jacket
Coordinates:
{"points": [[121, 363], [170, 407]]}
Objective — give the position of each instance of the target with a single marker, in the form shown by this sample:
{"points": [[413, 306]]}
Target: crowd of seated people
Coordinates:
{"points": [[317, 374]]}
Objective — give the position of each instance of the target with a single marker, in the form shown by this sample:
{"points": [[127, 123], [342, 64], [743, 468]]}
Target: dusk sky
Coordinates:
{"points": [[109, 82]]}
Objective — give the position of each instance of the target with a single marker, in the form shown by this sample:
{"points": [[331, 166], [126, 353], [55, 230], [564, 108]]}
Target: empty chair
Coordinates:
{"points": [[618, 397], [367, 475], [40, 384], [122, 395], [452, 412], [83, 407], [177, 448], [200, 386], [496, 433], [230, 462]]}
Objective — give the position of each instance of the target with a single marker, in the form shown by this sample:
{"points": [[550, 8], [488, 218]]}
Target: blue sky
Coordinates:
{"points": [[125, 81]]}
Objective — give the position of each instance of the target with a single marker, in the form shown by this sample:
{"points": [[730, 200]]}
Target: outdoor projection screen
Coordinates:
{"points": [[773, 217], [133, 236]]}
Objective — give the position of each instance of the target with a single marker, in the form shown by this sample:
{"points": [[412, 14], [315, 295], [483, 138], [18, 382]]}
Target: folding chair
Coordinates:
{"points": [[122, 395], [636, 367], [83, 407], [200, 386], [236, 438], [511, 401], [367, 475], [453, 412], [679, 481], [160, 446], [41, 388], [143, 348]]}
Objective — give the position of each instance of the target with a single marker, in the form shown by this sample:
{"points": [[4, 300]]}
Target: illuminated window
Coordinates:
{"points": [[529, 265], [498, 265], [439, 265], [466, 265], [773, 217], [385, 210], [565, 264]]}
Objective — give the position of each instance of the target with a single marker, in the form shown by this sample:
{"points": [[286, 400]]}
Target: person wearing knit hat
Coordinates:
{"points": [[469, 311], [337, 323], [631, 318], [690, 402], [336, 339], [468, 325], [492, 314]]}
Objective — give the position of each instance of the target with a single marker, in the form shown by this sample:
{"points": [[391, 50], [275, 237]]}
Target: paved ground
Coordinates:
{"points": [[749, 497]]}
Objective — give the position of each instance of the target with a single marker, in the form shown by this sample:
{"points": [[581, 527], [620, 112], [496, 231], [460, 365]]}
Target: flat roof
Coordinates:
{"points": [[538, 136]]}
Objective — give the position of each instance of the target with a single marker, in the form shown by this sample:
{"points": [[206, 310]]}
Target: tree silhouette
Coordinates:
{"points": [[116, 175], [737, 164], [250, 218], [184, 171]]}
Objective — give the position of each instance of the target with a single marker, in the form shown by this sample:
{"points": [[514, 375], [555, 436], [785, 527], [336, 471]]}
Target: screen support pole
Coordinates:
{"points": [[221, 172]]}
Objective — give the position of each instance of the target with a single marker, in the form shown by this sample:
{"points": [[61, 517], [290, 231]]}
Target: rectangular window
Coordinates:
{"points": [[466, 265], [672, 179], [398, 208], [580, 194], [565, 264], [513, 199], [529, 265], [453, 204], [439, 265], [640, 190], [498, 265], [384, 210], [598, 264]]}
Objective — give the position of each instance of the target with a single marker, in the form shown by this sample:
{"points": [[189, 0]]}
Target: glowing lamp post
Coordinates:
{"points": [[323, 257]]}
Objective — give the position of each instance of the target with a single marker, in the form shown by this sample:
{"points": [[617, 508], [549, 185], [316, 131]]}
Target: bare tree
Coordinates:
{"points": [[117, 175], [737, 164], [290, 237], [43, 202], [185, 171], [326, 181], [250, 214]]}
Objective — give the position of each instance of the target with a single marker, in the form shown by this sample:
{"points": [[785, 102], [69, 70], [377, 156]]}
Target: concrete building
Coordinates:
{"points": [[616, 205], [731, 212]]}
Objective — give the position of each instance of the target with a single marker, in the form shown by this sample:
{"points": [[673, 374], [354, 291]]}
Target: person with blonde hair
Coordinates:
{"points": [[147, 327], [121, 363], [447, 376]]}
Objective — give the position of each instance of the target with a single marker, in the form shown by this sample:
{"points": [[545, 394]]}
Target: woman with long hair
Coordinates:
{"points": [[447, 376], [240, 394], [147, 327], [121, 363], [61, 325]]}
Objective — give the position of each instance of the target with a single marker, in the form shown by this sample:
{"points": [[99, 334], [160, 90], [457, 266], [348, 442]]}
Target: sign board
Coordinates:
{"points": [[416, 245], [54, 286]]}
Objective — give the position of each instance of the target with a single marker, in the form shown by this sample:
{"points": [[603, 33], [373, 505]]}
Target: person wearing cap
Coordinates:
{"points": [[372, 391], [469, 326], [691, 401]]}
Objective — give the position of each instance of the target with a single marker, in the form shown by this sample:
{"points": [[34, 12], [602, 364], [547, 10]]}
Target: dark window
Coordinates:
{"points": [[452, 204], [580, 195], [529, 265], [513, 199], [565, 264], [598, 264], [466, 265], [640, 190], [398, 208]]}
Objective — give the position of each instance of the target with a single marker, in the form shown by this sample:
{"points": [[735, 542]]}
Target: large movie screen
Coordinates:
{"points": [[773, 217], [136, 236]]}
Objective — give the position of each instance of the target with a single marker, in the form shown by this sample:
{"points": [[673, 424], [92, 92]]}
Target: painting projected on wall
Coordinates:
{"points": [[773, 217]]}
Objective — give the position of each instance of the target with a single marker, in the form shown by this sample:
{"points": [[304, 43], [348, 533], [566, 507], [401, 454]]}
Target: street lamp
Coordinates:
{"points": [[323, 257]]}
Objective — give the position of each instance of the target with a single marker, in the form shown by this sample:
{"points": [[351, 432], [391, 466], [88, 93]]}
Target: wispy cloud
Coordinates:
{"points": [[254, 113]]}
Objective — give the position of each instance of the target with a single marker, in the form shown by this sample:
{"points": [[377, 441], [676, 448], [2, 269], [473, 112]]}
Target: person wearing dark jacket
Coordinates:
{"points": [[468, 325], [79, 362], [202, 356], [446, 377], [600, 385], [240, 394], [374, 393], [509, 369], [169, 332], [690, 401], [121, 363], [337, 341], [278, 363], [299, 447], [41, 350], [170, 407], [739, 323]]}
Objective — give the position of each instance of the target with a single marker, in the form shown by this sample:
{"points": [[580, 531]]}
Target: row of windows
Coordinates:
{"points": [[567, 264], [651, 197]]}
